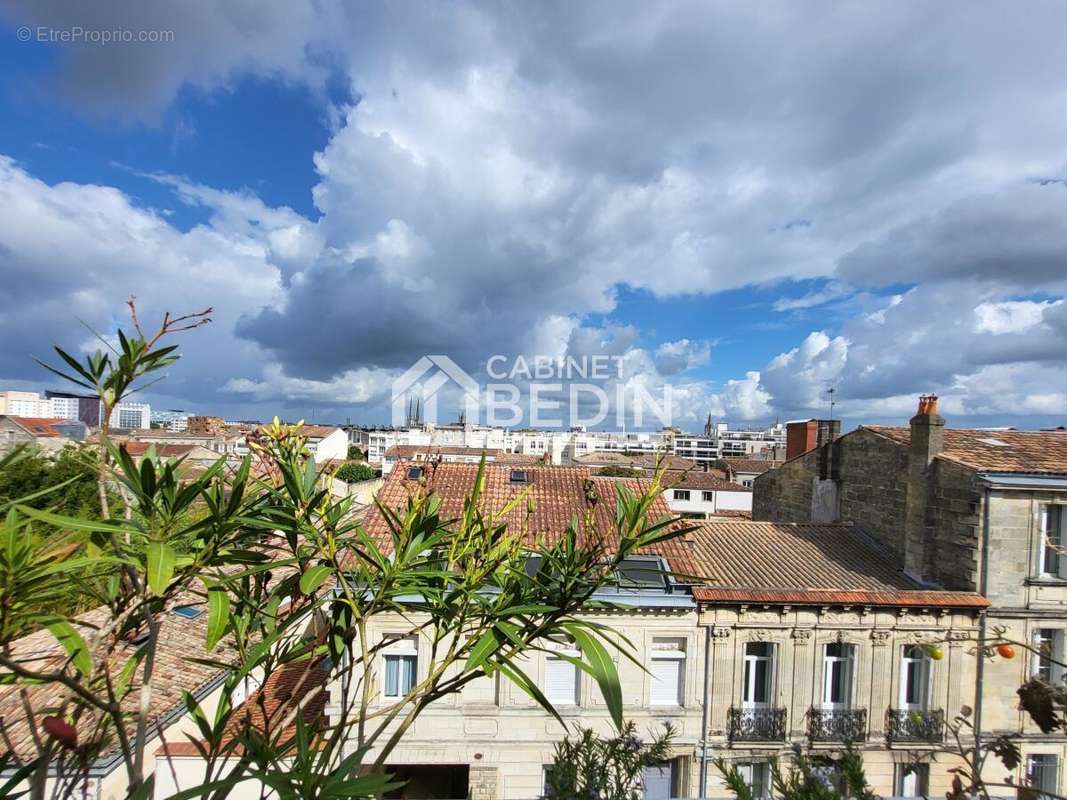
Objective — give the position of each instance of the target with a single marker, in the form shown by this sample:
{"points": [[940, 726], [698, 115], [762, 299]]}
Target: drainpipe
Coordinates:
{"points": [[702, 794], [979, 679]]}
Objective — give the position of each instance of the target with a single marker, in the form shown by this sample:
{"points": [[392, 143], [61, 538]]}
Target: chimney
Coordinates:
{"points": [[927, 430], [927, 440]]}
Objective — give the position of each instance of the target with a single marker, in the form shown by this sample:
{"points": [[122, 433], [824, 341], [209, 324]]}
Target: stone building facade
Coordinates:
{"points": [[968, 510]]}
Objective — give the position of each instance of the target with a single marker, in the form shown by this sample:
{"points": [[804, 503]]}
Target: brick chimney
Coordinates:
{"points": [[927, 440]]}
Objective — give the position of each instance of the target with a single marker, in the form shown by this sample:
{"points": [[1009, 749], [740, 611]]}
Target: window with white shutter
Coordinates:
{"points": [[668, 672], [400, 662], [561, 682]]}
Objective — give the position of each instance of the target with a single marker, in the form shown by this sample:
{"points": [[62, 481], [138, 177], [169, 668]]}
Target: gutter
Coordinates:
{"points": [[703, 790], [983, 583]]}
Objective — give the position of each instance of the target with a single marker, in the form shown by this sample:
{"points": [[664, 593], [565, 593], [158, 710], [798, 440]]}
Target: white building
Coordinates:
{"points": [[25, 404], [701, 495], [171, 420], [131, 416]]}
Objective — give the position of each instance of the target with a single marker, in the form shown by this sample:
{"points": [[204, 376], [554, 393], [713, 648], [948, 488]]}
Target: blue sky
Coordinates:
{"points": [[351, 189]]}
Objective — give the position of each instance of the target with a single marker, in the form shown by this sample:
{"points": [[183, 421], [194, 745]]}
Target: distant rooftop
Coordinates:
{"points": [[995, 451]]}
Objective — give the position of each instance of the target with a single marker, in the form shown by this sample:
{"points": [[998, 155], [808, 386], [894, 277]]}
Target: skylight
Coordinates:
{"points": [[188, 612], [994, 442], [414, 473], [520, 476], [637, 572]]}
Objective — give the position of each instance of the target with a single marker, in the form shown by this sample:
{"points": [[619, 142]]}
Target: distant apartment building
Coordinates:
{"points": [[64, 405], [25, 404], [171, 419], [970, 510], [205, 424], [131, 416], [703, 495]]}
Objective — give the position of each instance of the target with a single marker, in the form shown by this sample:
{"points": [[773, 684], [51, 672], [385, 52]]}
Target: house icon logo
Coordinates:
{"points": [[420, 384]]}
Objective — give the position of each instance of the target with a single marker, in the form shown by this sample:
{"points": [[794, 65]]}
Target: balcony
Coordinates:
{"points": [[757, 724], [837, 725], [903, 725]]}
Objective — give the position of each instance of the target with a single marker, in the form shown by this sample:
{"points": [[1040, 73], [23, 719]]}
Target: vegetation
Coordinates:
{"points": [[289, 577], [806, 779], [37, 473], [589, 767], [353, 472], [355, 453], [619, 471]]}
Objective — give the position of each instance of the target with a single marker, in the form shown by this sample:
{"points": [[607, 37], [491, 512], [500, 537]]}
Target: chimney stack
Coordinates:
{"points": [[927, 440], [927, 430]]}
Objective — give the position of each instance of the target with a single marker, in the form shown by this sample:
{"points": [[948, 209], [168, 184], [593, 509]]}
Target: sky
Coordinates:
{"points": [[751, 203]]}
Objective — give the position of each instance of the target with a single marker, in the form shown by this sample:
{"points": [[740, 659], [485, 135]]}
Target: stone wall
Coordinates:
{"points": [[785, 494]]}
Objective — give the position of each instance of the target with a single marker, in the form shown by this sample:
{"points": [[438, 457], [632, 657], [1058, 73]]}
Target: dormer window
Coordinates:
{"points": [[188, 612], [639, 572], [414, 473], [520, 476]]}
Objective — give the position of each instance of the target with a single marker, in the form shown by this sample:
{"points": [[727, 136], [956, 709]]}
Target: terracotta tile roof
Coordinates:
{"points": [[995, 451], [712, 481], [420, 452], [38, 426], [558, 494], [728, 513], [180, 640], [162, 450], [755, 465], [318, 431], [646, 461], [753, 562], [519, 460]]}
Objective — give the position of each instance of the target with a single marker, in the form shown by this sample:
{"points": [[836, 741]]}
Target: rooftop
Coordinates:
{"points": [[712, 481], [410, 451], [769, 562], [995, 451], [755, 465], [38, 426], [555, 496]]}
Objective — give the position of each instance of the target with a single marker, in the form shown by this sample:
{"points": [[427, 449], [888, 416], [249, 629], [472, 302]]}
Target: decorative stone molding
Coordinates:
{"points": [[760, 635], [881, 637], [719, 632], [802, 634]]}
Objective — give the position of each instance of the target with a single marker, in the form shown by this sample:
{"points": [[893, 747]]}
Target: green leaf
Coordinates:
{"points": [[218, 613], [74, 645], [160, 566], [602, 668], [314, 578], [483, 648]]}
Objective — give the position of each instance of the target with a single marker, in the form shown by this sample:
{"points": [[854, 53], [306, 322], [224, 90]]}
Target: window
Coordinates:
{"points": [[1052, 557], [707, 497], [911, 780], [414, 473], [561, 681], [659, 783], [401, 663], [681, 494], [837, 669], [759, 663], [638, 572], [520, 476], [1048, 642], [1042, 772], [914, 678], [757, 774], [747, 483], [188, 612], [668, 672]]}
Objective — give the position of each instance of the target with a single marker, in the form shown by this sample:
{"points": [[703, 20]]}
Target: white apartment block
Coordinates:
{"points": [[25, 404], [131, 416]]}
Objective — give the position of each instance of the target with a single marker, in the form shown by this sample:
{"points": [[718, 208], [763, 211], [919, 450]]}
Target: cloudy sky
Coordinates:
{"points": [[751, 202]]}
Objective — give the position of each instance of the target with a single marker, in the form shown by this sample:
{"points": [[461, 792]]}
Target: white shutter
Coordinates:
{"points": [[666, 681], [561, 681]]}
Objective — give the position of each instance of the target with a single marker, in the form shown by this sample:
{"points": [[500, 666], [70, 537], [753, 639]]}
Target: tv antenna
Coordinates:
{"points": [[831, 391]]}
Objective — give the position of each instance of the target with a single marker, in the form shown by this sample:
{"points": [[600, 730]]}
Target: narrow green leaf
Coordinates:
{"points": [[483, 648], [74, 645], [602, 669], [314, 578], [160, 566], [218, 613]]}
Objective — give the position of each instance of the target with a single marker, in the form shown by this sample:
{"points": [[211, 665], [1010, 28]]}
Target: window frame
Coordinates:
{"points": [[902, 772], [673, 651], [923, 666], [1031, 769], [845, 666], [750, 675], [403, 650], [554, 657], [748, 771], [1052, 562], [1054, 638], [681, 494]]}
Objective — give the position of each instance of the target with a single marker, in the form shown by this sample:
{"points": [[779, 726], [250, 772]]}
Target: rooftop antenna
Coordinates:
{"points": [[831, 392]]}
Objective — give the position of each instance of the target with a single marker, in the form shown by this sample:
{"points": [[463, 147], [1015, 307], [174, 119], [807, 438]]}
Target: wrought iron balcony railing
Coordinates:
{"points": [[904, 725], [837, 725], [763, 724]]}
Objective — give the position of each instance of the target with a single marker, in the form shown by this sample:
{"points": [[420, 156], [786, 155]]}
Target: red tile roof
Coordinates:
{"points": [[769, 562], [180, 640], [995, 451], [422, 452], [558, 494], [712, 481], [39, 426], [753, 465], [162, 450]]}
